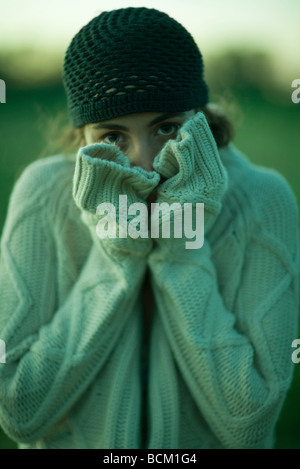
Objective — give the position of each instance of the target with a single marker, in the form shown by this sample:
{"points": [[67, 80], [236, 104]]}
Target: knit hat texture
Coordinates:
{"points": [[132, 60]]}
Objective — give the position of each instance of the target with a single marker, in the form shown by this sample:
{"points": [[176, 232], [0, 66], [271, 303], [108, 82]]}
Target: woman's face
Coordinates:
{"points": [[139, 136]]}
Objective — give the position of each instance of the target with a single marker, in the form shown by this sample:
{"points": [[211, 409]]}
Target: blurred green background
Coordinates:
{"points": [[251, 77]]}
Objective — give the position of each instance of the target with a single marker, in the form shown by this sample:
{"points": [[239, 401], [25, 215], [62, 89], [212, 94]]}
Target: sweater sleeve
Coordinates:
{"points": [[236, 363], [54, 351]]}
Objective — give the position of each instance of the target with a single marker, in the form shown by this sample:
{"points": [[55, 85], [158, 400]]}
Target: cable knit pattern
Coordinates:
{"points": [[71, 316]]}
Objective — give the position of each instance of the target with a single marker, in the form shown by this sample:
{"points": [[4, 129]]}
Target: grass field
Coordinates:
{"points": [[268, 134]]}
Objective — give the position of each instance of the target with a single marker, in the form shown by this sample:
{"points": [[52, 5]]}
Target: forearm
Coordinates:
{"points": [[56, 346], [229, 370], [47, 370]]}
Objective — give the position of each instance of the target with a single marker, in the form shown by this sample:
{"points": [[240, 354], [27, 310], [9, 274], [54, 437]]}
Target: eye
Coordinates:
{"points": [[113, 139], [168, 129]]}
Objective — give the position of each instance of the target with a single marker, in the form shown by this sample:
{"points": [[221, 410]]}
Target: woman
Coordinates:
{"points": [[137, 341]]}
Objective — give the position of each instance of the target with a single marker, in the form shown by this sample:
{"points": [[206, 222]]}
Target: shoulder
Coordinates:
{"points": [[262, 194], [41, 185], [42, 176], [261, 185], [44, 172]]}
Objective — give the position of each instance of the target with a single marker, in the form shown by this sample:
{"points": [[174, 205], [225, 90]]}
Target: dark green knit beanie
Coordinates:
{"points": [[132, 60]]}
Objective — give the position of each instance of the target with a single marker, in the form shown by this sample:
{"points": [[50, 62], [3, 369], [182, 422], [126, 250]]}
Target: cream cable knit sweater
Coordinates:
{"points": [[71, 315]]}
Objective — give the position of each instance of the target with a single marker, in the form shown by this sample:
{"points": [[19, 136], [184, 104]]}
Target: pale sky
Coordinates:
{"points": [[269, 24]]}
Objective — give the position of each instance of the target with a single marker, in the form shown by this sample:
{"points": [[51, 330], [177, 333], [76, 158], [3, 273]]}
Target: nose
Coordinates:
{"points": [[142, 153]]}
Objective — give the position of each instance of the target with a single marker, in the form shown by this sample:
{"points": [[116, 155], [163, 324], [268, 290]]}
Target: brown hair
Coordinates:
{"points": [[220, 125]]}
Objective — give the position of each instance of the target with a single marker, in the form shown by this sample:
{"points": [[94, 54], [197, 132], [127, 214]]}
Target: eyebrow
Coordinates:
{"points": [[157, 120]]}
